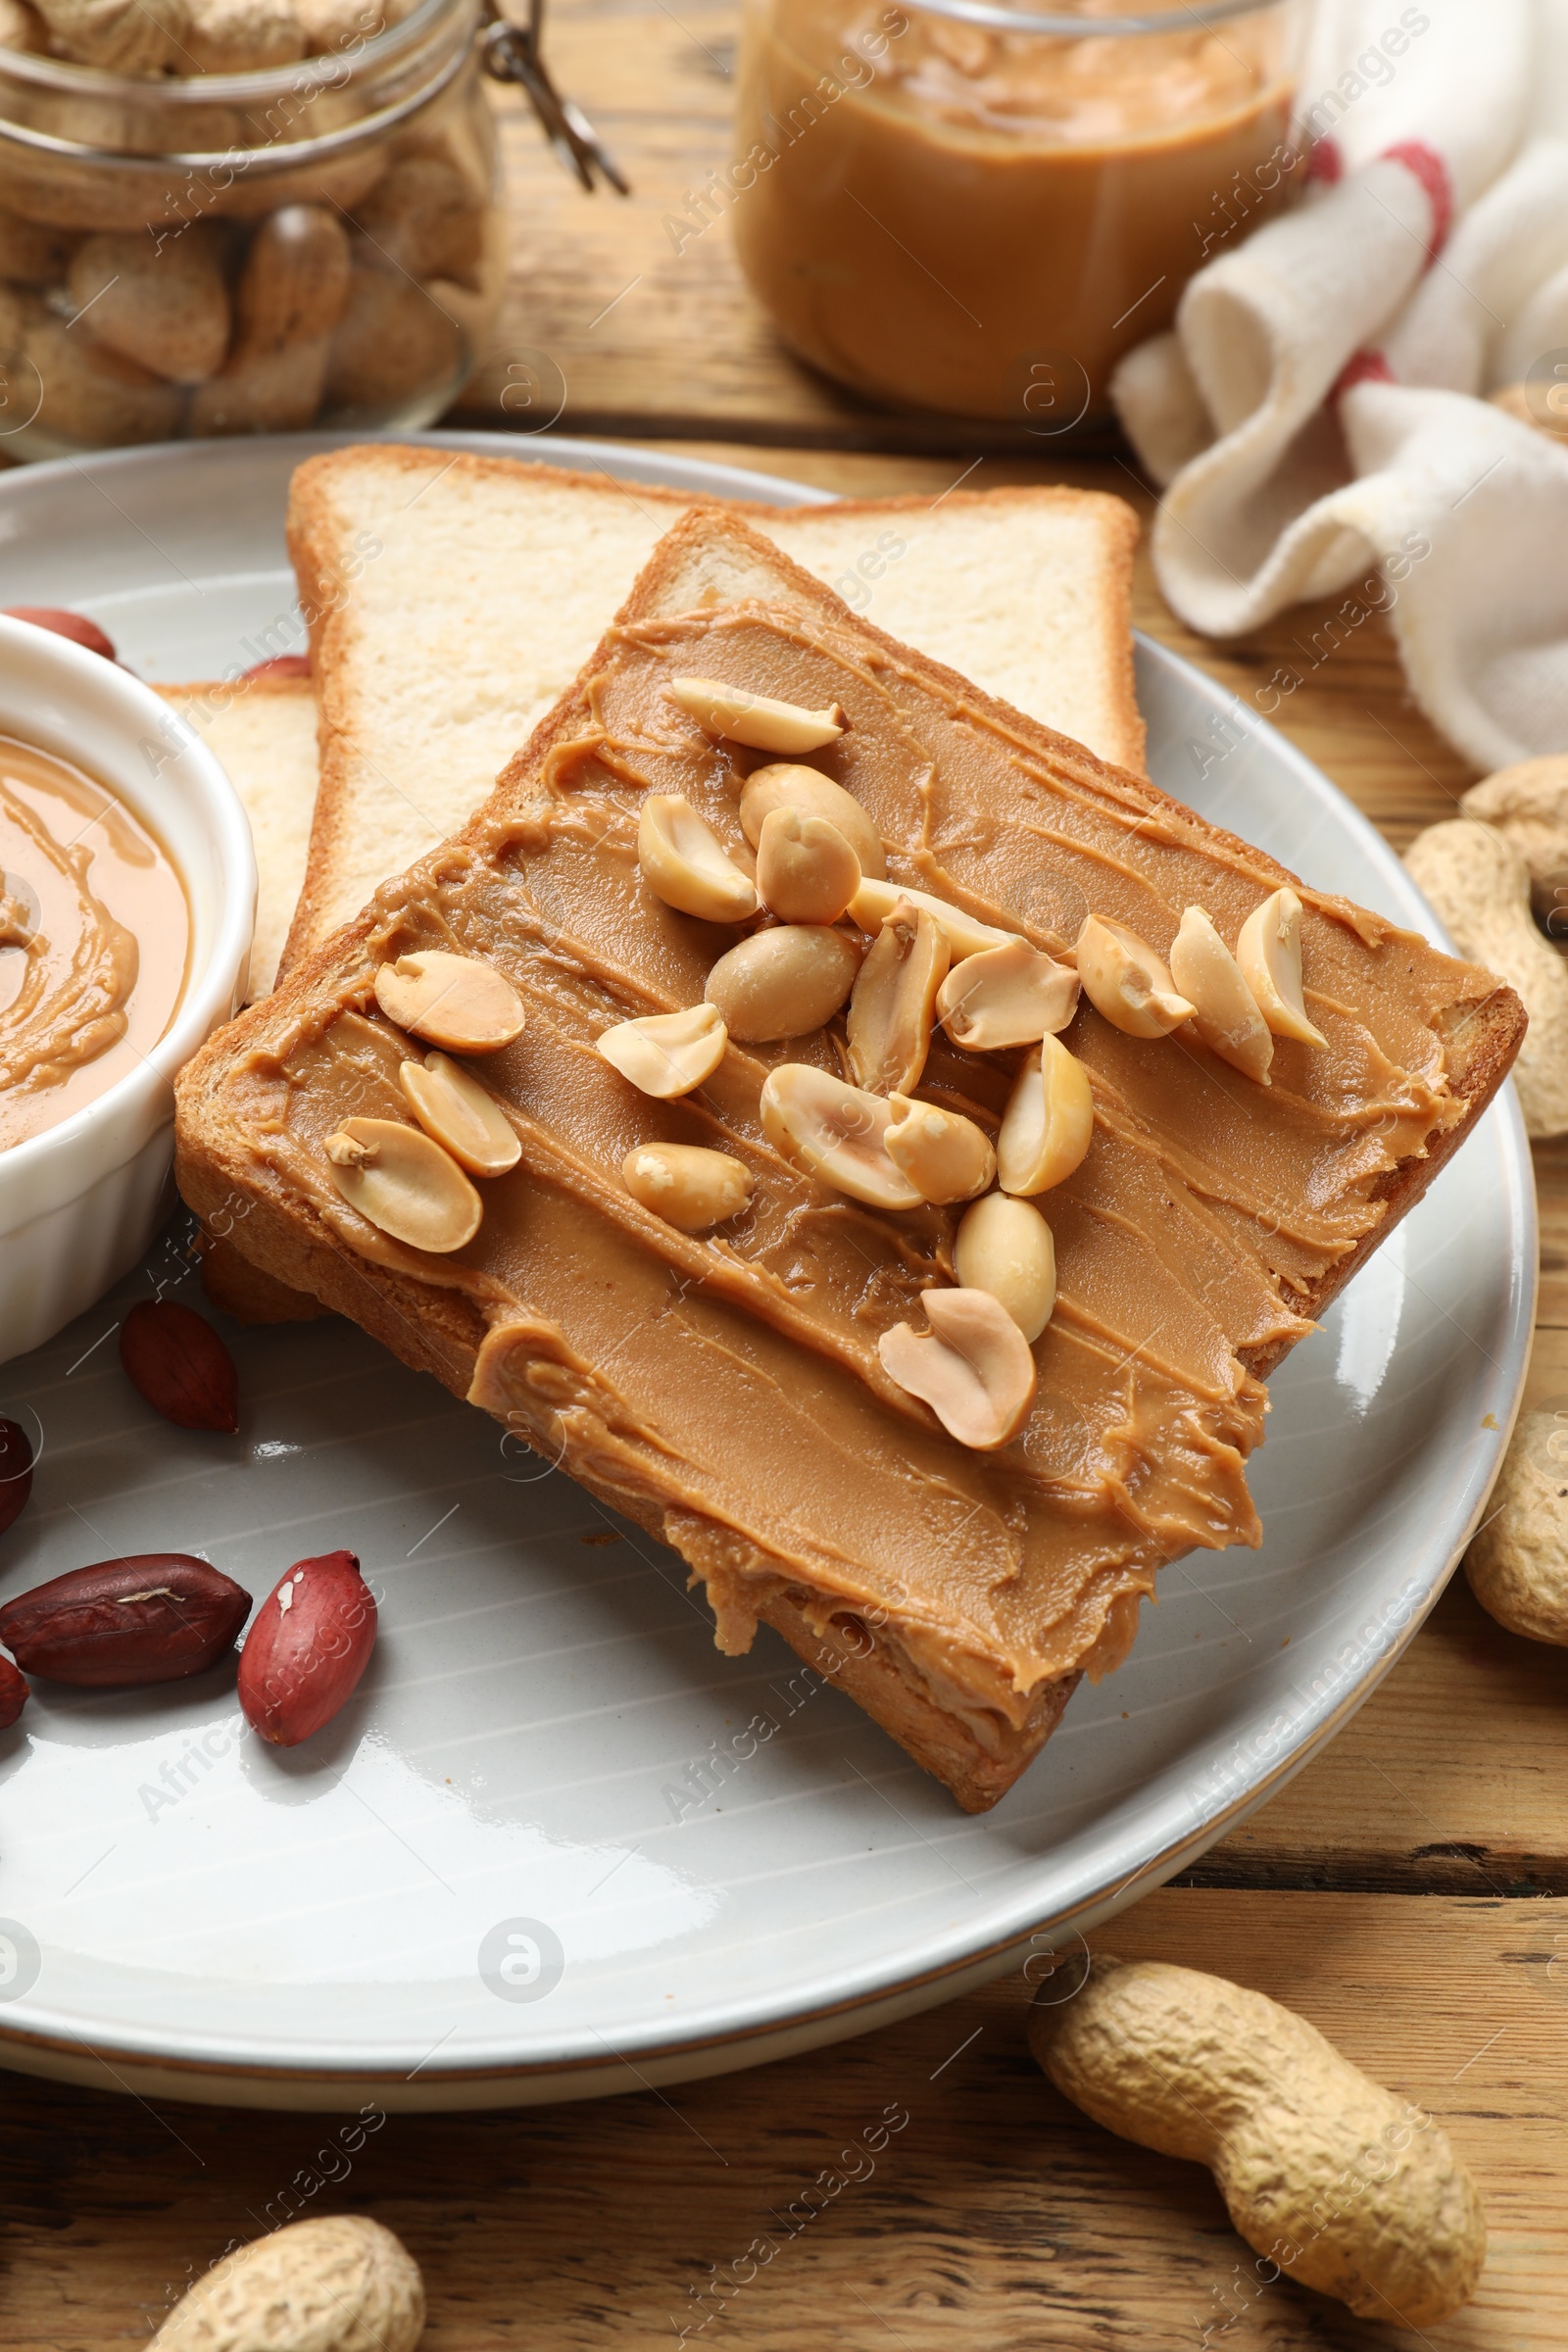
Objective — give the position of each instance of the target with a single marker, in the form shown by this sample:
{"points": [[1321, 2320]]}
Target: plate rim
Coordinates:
{"points": [[210, 2065]]}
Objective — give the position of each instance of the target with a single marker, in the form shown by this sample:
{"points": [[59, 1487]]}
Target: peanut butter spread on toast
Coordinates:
{"points": [[732, 1379]]}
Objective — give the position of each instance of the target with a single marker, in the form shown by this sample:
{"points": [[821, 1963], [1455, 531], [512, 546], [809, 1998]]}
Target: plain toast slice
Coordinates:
{"points": [[263, 732], [455, 600]]}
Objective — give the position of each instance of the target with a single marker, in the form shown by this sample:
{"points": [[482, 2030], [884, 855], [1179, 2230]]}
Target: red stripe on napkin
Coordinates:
{"points": [[1363, 367], [1429, 168]]}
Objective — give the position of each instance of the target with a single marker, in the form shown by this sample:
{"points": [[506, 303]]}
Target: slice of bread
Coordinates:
{"points": [[455, 596], [263, 732], [1026, 592], [726, 1389]]}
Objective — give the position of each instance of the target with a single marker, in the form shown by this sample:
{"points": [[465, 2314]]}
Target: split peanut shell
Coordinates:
{"points": [[403, 1181], [450, 1000]]}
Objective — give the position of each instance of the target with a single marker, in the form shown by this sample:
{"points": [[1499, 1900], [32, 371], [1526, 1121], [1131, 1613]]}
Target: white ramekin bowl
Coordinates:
{"points": [[80, 1202]]}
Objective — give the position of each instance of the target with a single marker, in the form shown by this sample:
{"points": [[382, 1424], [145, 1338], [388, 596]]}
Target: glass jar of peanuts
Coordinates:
{"points": [[240, 216]]}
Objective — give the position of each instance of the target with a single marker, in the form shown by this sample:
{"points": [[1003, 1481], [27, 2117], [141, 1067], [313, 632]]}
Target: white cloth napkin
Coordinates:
{"points": [[1319, 412]]}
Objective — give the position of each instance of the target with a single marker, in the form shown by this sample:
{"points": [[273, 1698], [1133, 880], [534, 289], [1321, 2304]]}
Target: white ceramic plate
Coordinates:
{"points": [[555, 1845]]}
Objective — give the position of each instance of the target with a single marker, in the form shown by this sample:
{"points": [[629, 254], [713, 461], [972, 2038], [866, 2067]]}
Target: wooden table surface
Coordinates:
{"points": [[1408, 1893]]}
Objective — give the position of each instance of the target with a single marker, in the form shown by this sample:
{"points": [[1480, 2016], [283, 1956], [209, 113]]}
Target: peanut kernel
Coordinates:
{"points": [[806, 870], [783, 786], [1007, 996], [894, 1001], [1005, 1246], [684, 862], [974, 1370], [835, 1131], [459, 1112], [403, 1182], [686, 1183], [1126, 982], [945, 1155], [1048, 1123], [1269, 956], [756, 720], [1227, 1019], [874, 901], [450, 1000], [667, 1054], [782, 983]]}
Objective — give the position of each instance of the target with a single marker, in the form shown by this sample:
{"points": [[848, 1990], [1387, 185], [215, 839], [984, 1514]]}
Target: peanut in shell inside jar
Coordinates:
{"points": [[178, 259], [947, 216]]}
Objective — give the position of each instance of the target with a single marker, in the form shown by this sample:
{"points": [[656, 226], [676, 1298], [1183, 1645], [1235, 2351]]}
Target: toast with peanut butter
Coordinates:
{"points": [[460, 594], [729, 1280]]}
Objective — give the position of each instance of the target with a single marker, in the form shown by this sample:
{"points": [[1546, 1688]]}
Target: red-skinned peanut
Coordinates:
{"points": [[62, 623], [16, 1472], [12, 1695], [174, 1358], [152, 1617], [311, 1642]]}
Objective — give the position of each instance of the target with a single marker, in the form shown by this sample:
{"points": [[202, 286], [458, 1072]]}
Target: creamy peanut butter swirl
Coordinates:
{"points": [[75, 964], [737, 1375], [93, 929]]}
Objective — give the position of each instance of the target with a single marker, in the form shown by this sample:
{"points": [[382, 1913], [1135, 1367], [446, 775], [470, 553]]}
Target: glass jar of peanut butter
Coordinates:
{"points": [[967, 207], [218, 218]]}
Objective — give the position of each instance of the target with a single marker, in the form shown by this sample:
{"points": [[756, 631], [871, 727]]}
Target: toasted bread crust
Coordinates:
{"points": [[438, 1332], [247, 1292]]}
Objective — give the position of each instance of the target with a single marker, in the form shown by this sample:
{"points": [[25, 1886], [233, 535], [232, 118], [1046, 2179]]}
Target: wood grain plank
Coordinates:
{"points": [[991, 2213], [1551, 1201], [1450, 1776]]}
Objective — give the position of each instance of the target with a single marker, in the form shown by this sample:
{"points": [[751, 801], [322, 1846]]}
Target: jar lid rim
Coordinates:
{"points": [[65, 75], [998, 16], [277, 158]]}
